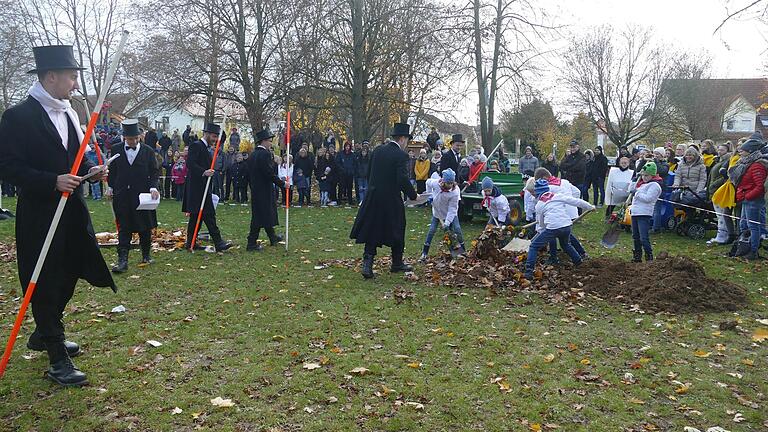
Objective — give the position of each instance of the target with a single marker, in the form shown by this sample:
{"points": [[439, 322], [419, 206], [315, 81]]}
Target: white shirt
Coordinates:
{"points": [[645, 198], [498, 208], [59, 120], [131, 154]]}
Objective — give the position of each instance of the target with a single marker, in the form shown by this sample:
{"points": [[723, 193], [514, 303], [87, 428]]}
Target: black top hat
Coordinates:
{"points": [[262, 135], [54, 57], [401, 129], [212, 128], [574, 143], [131, 128], [458, 138]]}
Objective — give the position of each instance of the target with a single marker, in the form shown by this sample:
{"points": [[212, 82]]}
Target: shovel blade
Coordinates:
{"points": [[611, 237]]}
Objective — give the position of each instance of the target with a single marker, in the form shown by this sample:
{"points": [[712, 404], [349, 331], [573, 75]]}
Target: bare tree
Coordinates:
{"points": [[617, 77]]}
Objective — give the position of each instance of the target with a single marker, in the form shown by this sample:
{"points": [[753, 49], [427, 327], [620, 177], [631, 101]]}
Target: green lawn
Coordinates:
{"points": [[242, 326]]}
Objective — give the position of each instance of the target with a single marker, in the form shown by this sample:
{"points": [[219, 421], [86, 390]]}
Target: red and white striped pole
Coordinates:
{"points": [[289, 179], [60, 209], [207, 187]]}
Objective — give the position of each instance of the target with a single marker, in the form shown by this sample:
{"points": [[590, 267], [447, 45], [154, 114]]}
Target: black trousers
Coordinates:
{"points": [[397, 250], [124, 239], [228, 186], [253, 235], [345, 189], [210, 222], [48, 304]]}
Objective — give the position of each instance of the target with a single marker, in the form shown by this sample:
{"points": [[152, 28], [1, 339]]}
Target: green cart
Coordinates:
{"points": [[511, 185]]}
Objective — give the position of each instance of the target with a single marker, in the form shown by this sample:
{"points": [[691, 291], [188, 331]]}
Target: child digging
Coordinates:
{"points": [[445, 207], [552, 222], [646, 191], [496, 203]]}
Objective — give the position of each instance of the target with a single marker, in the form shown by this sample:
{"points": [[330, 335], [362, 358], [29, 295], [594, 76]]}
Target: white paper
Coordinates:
{"points": [[147, 203], [215, 199]]}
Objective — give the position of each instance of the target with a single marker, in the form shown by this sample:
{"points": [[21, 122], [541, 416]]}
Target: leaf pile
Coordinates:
{"points": [[162, 239], [7, 252]]}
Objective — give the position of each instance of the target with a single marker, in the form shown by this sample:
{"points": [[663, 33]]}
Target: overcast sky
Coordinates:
{"points": [[738, 50]]}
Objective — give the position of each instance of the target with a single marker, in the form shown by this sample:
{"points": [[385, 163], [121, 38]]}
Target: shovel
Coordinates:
{"points": [[522, 245], [4, 213], [611, 236]]}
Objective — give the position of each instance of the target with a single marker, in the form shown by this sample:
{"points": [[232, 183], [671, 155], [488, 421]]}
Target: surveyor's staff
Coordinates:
{"points": [[477, 173], [207, 187], [60, 208], [100, 159], [288, 178]]}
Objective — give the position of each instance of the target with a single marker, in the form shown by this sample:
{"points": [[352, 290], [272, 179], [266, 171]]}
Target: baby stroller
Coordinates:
{"points": [[695, 216]]}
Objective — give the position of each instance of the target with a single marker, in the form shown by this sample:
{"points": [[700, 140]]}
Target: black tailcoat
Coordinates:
{"points": [[198, 161], [381, 218], [127, 182], [262, 177], [31, 157]]}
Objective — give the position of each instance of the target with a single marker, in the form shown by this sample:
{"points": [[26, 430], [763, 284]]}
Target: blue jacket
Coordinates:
{"points": [[346, 162]]}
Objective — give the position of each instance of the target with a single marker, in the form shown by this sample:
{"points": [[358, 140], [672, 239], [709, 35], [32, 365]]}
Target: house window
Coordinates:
{"points": [[729, 125]]}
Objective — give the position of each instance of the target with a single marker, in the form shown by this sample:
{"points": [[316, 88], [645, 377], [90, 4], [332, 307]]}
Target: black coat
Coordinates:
{"points": [[600, 167], [198, 161], [305, 164], [127, 182], [450, 160], [31, 157], [262, 177], [381, 218], [574, 168]]}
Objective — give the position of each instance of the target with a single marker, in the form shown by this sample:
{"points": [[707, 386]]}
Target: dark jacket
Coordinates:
{"points": [[600, 167], [150, 139], [574, 168], [165, 144], [323, 163], [198, 161], [261, 178], [305, 164], [239, 173], [552, 167], [450, 160], [432, 140], [361, 165], [31, 157], [380, 220], [127, 182], [346, 163]]}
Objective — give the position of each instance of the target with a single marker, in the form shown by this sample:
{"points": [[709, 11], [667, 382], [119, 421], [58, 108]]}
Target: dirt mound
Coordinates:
{"points": [[669, 284], [676, 284]]}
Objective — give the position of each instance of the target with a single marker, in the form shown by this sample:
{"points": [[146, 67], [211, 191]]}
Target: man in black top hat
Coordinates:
{"points": [[381, 218], [199, 169], [452, 156], [39, 141], [133, 173], [262, 177]]}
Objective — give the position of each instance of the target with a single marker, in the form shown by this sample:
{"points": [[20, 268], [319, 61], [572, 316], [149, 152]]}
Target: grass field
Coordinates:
{"points": [[281, 340]]}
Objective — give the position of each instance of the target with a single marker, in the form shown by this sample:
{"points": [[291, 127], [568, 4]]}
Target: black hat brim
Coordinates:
{"points": [[399, 135], [34, 71]]}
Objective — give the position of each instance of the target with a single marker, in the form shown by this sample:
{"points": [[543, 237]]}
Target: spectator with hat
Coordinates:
{"points": [[749, 175], [380, 220], [647, 191], [528, 163], [198, 170]]}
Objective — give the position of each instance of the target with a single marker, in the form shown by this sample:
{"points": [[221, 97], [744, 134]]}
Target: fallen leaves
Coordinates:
{"points": [[702, 353], [760, 334], [360, 371], [176, 410], [311, 366], [549, 358], [154, 343], [222, 403]]}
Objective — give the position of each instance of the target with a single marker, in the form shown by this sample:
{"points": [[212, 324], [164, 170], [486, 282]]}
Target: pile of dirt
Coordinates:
{"points": [[675, 284], [7, 252], [668, 284]]}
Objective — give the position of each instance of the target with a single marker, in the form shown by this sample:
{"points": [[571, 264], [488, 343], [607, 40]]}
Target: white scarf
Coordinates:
{"points": [[56, 105]]}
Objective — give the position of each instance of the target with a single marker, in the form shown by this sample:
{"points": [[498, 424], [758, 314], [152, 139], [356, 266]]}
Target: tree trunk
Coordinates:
{"points": [[481, 81]]}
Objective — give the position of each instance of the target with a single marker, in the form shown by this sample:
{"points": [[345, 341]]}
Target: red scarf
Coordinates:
{"points": [[554, 181], [655, 178]]}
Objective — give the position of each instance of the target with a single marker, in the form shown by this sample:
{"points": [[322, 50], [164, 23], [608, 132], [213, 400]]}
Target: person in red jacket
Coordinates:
{"points": [[749, 178]]}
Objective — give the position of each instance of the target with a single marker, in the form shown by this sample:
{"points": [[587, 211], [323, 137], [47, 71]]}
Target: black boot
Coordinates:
{"points": [[275, 239], [398, 266], [36, 343], [254, 247], [648, 256], [122, 261], [219, 243], [752, 256], [146, 248], [637, 256], [367, 270], [62, 371]]}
